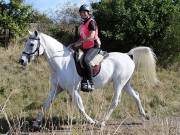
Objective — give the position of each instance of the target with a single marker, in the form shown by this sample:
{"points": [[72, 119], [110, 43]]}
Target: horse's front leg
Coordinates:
{"points": [[78, 102], [55, 90]]}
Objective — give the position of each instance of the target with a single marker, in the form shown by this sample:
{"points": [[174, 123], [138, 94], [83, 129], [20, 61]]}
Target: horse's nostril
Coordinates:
{"points": [[21, 61]]}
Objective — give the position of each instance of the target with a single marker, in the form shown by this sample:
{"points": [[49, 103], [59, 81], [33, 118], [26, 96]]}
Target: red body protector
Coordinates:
{"points": [[84, 33]]}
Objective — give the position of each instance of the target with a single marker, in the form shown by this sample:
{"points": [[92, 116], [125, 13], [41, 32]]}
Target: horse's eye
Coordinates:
{"points": [[31, 45]]}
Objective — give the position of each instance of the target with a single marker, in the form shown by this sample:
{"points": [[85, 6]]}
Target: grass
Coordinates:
{"points": [[22, 91]]}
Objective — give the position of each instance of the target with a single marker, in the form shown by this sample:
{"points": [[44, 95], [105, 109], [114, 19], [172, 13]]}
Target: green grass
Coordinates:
{"points": [[22, 91]]}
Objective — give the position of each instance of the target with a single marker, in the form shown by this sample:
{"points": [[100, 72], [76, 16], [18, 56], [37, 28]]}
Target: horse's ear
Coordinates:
{"points": [[36, 33], [30, 33]]}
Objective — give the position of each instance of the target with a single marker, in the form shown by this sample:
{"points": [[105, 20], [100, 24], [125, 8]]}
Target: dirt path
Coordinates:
{"points": [[129, 126]]}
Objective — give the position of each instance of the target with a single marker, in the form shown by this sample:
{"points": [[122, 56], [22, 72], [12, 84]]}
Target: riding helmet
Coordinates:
{"points": [[84, 7]]}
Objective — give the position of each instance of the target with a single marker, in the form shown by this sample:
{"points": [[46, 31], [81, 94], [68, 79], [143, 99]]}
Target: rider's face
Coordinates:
{"points": [[84, 14]]}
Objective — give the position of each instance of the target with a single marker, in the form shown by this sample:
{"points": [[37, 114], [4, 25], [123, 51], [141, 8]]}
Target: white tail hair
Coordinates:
{"points": [[145, 63]]}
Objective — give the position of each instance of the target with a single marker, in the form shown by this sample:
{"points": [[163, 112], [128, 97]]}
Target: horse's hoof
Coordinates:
{"points": [[97, 124], [147, 117], [25, 126], [92, 122], [36, 126], [102, 125]]}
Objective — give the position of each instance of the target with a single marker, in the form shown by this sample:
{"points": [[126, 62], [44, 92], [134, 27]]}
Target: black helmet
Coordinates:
{"points": [[84, 7]]}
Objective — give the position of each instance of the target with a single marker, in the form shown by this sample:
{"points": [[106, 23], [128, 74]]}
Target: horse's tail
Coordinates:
{"points": [[145, 63]]}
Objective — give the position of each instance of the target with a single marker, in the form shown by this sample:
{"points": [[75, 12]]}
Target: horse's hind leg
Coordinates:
{"points": [[135, 95], [116, 99]]}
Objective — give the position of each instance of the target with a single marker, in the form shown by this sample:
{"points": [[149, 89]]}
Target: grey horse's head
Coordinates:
{"points": [[32, 48]]}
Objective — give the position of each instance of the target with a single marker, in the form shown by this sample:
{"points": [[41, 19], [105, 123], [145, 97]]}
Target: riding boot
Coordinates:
{"points": [[87, 84], [89, 76]]}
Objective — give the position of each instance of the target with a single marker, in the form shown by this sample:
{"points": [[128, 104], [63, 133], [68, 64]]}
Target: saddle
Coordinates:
{"points": [[95, 62]]}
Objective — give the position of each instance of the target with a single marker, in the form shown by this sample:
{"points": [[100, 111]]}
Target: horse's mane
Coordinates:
{"points": [[53, 46], [52, 39]]}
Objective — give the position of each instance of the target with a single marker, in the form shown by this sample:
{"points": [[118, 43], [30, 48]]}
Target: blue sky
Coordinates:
{"points": [[44, 5]]}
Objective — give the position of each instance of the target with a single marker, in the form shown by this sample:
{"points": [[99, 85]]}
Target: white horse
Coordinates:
{"points": [[116, 68]]}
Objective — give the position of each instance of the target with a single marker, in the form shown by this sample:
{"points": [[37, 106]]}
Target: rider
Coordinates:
{"points": [[89, 42]]}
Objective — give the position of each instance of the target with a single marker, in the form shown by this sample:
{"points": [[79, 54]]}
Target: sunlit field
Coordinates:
{"points": [[23, 91]]}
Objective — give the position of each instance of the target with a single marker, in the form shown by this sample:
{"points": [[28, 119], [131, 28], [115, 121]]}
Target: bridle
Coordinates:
{"points": [[37, 49]]}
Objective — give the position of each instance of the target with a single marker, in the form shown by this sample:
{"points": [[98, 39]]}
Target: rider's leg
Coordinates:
{"points": [[89, 55], [89, 72], [87, 82]]}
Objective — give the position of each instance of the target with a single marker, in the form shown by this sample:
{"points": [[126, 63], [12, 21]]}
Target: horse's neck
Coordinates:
{"points": [[52, 46], [54, 49]]}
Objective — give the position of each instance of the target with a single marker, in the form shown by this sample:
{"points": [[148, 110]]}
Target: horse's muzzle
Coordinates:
{"points": [[22, 62]]}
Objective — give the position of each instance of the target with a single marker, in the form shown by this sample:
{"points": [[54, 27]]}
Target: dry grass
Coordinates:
{"points": [[22, 91]]}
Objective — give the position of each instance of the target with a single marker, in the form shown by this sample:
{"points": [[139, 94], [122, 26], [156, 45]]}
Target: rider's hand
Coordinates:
{"points": [[71, 45], [76, 44]]}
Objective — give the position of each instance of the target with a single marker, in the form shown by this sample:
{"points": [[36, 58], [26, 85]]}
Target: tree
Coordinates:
{"points": [[136, 23], [40, 18], [66, 20], [15, 16], [69, 13]]}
